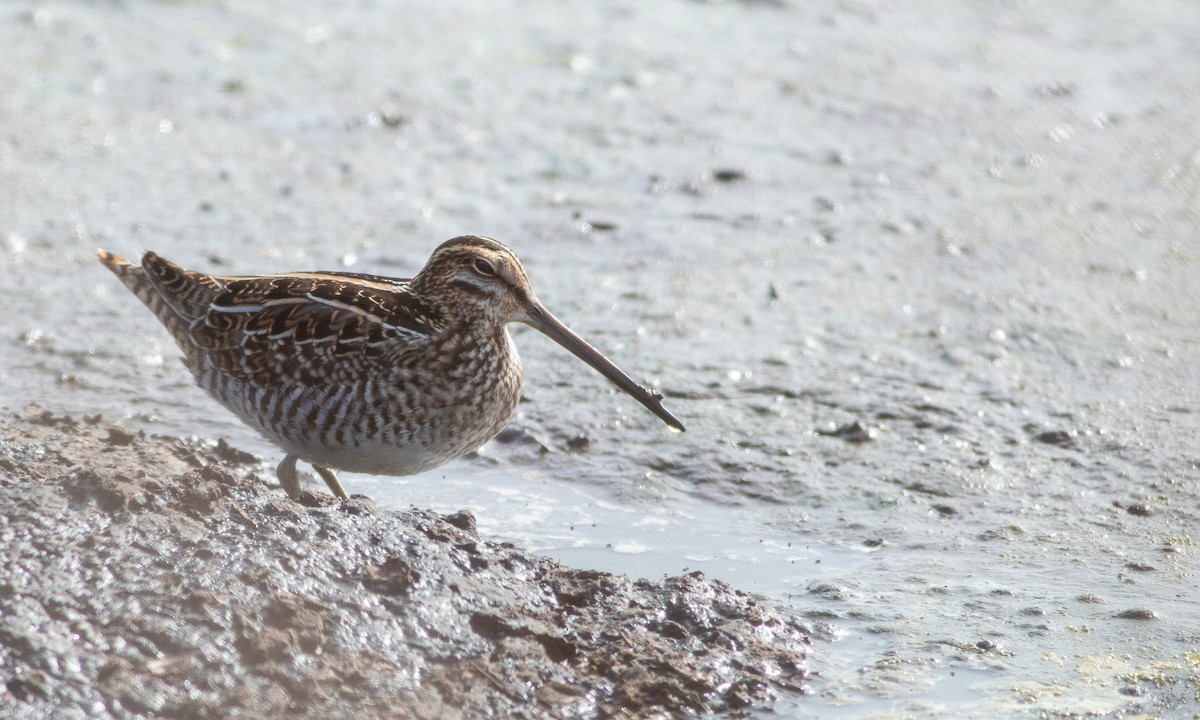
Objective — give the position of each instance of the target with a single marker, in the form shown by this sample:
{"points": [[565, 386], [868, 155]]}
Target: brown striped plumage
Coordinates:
{"points": [[361, 372]]}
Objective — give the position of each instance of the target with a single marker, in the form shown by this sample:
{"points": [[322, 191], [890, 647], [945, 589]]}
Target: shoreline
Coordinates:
{"points": [[153, 575]]}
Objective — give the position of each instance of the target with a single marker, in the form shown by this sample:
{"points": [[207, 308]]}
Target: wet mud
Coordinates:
{"points": [[149, 576], [919, 278]]}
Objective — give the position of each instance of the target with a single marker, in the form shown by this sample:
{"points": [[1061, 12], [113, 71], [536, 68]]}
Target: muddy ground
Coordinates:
{"points": [[147, 576], [921, 279]]}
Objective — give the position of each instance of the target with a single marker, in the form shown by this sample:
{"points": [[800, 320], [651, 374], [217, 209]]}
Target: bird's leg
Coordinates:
{"points": [[331, 480], [290, 479], [286, 472]]}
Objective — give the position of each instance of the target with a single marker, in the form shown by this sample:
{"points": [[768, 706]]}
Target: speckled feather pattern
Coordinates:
{"points": [[350, 371], [362, 372]]}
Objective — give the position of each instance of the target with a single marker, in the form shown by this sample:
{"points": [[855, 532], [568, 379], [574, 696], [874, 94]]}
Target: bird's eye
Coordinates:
{"points": [[484, 268]]}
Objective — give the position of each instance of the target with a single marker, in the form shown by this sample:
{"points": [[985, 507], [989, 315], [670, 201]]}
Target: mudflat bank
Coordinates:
{"points": [[148, 575]]}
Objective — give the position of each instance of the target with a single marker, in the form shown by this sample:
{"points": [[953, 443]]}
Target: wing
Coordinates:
{"points": [[308, 328]]}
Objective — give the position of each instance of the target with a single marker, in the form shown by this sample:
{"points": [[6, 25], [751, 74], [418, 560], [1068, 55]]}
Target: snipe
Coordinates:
{"points": [[364, 373]]}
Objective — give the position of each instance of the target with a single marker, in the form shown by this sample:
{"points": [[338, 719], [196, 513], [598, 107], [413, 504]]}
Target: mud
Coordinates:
{"points": [[150, 576], [920, 278]]}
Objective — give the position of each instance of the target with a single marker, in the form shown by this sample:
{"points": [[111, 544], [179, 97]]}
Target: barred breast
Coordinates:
{"points": [[394, 424]]}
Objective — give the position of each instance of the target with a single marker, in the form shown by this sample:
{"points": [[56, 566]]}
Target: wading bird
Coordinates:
{"points": [[358, 372]]}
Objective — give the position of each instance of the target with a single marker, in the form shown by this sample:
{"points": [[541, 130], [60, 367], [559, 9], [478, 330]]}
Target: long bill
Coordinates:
{"points": [[540, 318]]}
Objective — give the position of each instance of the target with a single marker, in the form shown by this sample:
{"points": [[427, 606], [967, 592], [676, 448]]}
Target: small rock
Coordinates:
{"points": [[1057, 90], [389, 117], [728, 175], [852, 432], [28, 686], [838, 157], [1060, 438], [463, 520], [579, 443], [232, 455], [1137, 614], [119, 436], [392, 577]]}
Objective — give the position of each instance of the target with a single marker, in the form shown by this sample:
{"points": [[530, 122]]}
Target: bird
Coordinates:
{"points": [[364, 373]]}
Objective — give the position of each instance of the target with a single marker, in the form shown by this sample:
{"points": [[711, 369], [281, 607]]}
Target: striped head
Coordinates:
{"points": [[476, 278], [480, 280]]}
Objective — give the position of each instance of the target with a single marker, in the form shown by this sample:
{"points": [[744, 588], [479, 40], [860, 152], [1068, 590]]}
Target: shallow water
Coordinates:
{"points": [[922, 284]]}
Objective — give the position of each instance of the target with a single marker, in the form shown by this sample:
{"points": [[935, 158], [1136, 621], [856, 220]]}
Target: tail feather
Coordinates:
{"points": [[133, 278], [188, 293], [120, 267], [176, 296]]}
